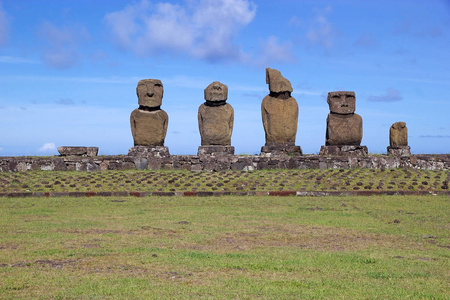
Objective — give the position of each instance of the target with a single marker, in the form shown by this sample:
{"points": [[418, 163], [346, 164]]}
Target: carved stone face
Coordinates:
{"points": [[216, 91], [341, 102], [150, 92], [277, 83]]}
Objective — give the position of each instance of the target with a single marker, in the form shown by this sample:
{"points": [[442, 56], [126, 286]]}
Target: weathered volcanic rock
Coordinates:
{"points": [[344, 150], [343, 129], [215, 150], [279, 110], [341, 102], [216, 91], [398, 135], [277, 83], [149, 151], [215, 116], [399, 150], [149, 122], [77, 151], [149, 128], [150, 92]]}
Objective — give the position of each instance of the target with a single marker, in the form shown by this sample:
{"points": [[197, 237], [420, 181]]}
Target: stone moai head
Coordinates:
{"points": [[342, 103], [150, 92], [216, 91], [277, 83], [398, 134]]}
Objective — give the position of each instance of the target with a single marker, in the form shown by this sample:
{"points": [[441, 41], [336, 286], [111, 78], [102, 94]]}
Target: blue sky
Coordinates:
{"points": [[69, 69]]}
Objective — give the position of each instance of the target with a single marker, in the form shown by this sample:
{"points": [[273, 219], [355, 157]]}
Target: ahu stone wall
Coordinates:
{"points": [[221, 162]]}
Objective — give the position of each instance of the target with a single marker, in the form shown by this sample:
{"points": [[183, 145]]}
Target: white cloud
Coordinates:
{"points": [[61, 49], [47, 147], [4, 26], [124, 23], [203, 29], [168, 28]]}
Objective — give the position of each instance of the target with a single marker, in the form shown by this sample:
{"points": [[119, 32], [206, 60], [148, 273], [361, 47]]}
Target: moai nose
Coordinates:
{"points": [[343, 101], [150, 91]]}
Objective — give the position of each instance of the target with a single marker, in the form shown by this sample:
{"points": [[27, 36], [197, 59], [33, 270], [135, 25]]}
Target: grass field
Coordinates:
{"points": [[379, 247]]}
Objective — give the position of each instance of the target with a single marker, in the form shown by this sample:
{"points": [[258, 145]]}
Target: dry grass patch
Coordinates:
{"points": [[224, 247], [303, 237]]}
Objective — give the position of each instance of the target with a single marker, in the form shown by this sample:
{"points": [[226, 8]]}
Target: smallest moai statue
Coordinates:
{"points": [[215, 121], [398, 140]]}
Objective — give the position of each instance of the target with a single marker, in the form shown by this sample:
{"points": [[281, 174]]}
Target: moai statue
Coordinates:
{"points": [[149, 122], [398, 140], [215, 121], [344, 127], [279, 116]]}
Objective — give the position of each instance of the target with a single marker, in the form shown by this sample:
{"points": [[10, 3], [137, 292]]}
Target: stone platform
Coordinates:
{"points": [[149, 151], [215, 150], [399, 150], [77, 151], [281, 150], [344, 150]]}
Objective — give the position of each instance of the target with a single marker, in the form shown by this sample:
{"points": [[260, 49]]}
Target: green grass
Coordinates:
{"points": [[265, 180], [379, 247]]}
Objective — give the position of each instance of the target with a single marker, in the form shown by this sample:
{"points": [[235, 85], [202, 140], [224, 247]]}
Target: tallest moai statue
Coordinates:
{"points": [[279, 112]]}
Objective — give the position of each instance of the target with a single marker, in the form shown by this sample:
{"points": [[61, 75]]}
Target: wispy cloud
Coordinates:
{"points": [[61, 44], [4, 26], [391, 95], [365, 40], [65, 101], [437, 136], [407, 27], [272, 51], [47, 147], [16, 60], [203, 29], [295, 21], [106, 80], [322, 32]]}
